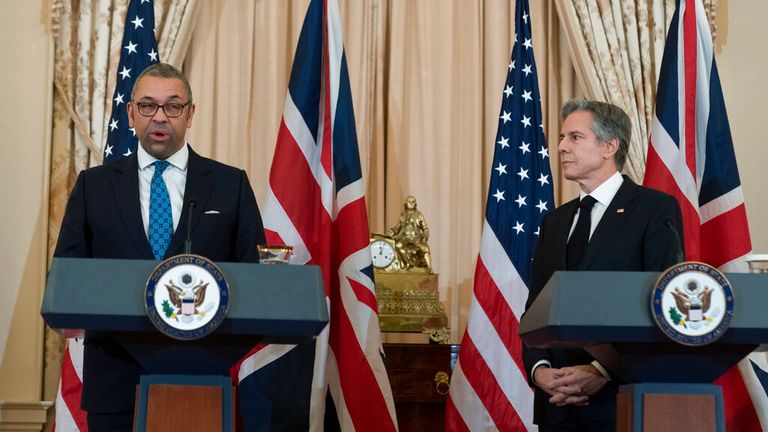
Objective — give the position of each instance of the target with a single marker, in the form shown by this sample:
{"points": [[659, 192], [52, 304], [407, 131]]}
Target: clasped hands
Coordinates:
{"points": [[571, 385]]}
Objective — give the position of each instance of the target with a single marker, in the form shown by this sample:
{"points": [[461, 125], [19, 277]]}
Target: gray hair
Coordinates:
{"points": [[608, 122], [163, 70]]}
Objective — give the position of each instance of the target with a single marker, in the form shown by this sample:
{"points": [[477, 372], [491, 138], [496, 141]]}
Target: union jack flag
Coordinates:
{"points": [[691, 157], [138, 50], [316, 203], [489, 390]]}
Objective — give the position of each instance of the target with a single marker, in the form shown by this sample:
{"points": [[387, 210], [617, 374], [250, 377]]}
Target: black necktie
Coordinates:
{"points": [[577, 244]]}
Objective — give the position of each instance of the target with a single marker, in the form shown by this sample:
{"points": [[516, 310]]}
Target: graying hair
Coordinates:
{"points": [[163, 70], [608, 122]]}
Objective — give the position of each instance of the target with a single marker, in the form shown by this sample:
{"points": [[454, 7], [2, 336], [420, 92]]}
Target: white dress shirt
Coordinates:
{"points": [[175, 177]]}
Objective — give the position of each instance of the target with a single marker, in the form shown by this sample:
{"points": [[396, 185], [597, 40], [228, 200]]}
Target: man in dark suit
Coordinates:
{"points": [[113, 213], [614, 225]]}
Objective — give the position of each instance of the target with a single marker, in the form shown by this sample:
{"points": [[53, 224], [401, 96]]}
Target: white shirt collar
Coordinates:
{"points": [[178, 159], [607, 190]]}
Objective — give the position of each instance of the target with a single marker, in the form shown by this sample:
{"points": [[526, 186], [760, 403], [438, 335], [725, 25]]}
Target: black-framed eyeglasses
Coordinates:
{"points": [[172, 109]]}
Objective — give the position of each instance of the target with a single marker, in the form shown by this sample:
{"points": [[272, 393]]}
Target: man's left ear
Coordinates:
{"points": [[189, 116], [611, 147]]}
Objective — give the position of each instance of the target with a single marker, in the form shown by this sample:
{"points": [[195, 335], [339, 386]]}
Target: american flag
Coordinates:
{"points": [[691, 157], [316, 203], [489, 390], [138, 50]]}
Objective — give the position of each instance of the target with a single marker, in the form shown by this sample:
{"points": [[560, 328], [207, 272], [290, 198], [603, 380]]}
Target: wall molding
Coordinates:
{"points": [[23, 416]]}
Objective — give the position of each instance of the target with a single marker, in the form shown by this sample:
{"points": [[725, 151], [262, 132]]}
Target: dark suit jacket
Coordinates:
{"points": [[103, 220], [631, 236]]}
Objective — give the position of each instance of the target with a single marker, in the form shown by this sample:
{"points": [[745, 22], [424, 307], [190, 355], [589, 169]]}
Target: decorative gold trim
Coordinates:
{"points": [[23, 416]]}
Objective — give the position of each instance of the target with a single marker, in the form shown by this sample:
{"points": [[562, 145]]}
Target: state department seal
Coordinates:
{"points": [[692, 303], [186, 297]]}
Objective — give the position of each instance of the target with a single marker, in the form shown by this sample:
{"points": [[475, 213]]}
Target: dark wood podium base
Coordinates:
{"points": [[657, 407], [184, 402]]}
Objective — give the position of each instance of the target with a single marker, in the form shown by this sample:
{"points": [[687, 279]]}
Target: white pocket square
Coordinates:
{"points": [[212, 212]]}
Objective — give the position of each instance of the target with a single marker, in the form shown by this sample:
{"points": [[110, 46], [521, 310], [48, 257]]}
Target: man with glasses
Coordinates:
{"points": [[138, 207]]}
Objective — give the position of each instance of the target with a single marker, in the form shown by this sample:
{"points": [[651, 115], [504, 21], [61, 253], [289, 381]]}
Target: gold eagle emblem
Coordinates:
{"points": [[177, 293]]}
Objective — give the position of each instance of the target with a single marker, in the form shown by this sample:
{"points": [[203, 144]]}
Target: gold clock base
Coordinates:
{"points": [[409, 302]]}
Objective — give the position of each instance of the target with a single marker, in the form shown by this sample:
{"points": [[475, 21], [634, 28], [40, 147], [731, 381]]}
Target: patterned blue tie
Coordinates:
{"points": [[160, 217]]}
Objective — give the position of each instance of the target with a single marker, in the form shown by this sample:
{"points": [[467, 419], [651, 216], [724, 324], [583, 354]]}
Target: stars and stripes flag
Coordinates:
{"points": [[691, 157], [138, 50], [315, 202], [489, 390]]}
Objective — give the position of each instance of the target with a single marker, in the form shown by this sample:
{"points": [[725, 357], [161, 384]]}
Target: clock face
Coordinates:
{"points": [[383, 253]]}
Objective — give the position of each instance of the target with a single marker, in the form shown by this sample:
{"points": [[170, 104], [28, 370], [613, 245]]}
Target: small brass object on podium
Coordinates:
{"points": [[406, 287]]}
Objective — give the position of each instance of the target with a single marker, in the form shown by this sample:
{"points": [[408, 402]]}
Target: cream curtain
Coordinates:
{"points": [[87, 37], [617, 46], [426, 80]]}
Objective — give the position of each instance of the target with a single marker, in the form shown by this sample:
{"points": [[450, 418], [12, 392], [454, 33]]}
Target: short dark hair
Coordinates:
{"points": [[163, 70], [608, 122]]}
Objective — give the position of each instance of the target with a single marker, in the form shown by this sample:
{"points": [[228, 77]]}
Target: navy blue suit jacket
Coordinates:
{"points": [[103, 220], [631, 236]]}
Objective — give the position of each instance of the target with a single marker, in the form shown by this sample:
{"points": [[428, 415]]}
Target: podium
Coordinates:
{"points": [[268, 304], [608, 315]]}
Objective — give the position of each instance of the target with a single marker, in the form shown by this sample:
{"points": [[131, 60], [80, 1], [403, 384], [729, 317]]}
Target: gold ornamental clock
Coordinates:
{"points": [[406, 288]]}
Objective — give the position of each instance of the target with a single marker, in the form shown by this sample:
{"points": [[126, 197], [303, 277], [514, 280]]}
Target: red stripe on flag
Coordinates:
{"points": [[740, 414], [364, 295], [360, 389], [273, 237], [725, 237], [487, 388], [690, 38], [71, 392], [499, 314], [325, 154], [456, 423]]}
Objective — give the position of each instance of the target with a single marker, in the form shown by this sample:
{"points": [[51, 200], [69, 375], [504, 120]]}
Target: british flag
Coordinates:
{"points": [[315, 202], [691, 157], [138, 50], [489, 390]]}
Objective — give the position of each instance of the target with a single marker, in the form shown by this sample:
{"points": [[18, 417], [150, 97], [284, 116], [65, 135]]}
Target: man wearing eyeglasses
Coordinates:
{"points": [[113, 213]]}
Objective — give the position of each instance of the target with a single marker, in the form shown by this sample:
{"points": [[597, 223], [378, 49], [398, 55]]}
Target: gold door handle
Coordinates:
{"points": [[442, 383]]}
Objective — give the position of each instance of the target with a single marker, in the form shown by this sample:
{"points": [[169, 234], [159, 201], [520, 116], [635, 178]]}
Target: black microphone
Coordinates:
{"points": [[671, 224], [188, 240]]}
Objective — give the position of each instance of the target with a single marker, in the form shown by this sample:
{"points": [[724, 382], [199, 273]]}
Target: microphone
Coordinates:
{"points": [[188, 240], [671, 224]]}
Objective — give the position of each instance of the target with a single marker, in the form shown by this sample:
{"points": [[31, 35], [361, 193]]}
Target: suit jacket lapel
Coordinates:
{"points": [[125, 184], [563, 225], [197, 190], [615, 215]]}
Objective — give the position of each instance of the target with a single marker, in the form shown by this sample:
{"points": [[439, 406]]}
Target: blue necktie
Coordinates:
{"points": [[160, 217]]}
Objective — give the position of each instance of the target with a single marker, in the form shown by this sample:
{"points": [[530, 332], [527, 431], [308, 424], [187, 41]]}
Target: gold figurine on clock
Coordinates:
{"points": [[404, 247]]}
